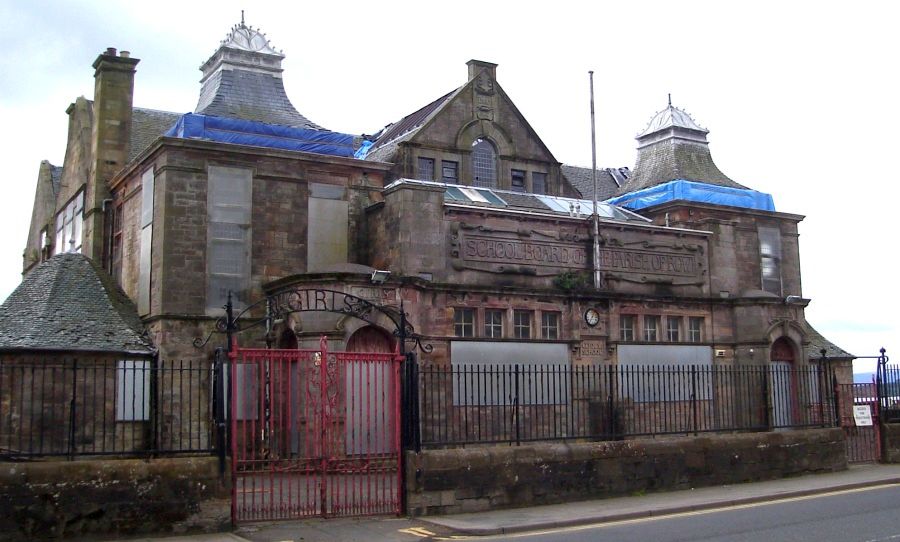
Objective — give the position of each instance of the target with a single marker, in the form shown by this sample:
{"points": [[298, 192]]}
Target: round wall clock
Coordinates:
{"points": [[591, 317]]}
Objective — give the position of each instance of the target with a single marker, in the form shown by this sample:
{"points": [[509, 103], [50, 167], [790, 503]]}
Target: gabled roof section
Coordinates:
{"points": [[483, 115], [385, 144], [69, 304], [609, 180], [242, 80]]}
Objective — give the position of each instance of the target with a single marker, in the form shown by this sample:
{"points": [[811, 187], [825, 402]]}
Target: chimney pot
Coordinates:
{"points": [[125, 54], [111, 51]]}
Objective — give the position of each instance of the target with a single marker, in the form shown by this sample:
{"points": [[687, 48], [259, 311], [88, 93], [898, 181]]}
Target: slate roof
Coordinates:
{"points": [[817, 342], [608, 180], [146, 126], [674, 147], [242, 94], [386, 140], [68, 303]]}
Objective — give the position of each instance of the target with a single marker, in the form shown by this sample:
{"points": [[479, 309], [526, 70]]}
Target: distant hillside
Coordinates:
{"points": [[863, 378]]}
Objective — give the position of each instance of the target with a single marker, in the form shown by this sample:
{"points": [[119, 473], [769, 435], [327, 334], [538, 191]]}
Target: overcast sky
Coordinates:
{"points": [[801, 99]]}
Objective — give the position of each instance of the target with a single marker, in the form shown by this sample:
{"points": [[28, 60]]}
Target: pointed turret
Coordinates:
{"points": [[242, 80], [674, 147]]}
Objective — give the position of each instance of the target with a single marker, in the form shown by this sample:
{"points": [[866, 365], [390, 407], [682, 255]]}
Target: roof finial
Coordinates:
{"points": [[242, 23], [670, 94]]}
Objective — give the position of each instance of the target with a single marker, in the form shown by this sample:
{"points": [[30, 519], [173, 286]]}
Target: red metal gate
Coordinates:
{"points": [[314, 433], [863, 441]]}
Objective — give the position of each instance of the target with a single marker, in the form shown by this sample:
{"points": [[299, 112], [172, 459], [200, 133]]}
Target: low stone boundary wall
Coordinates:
{"points": [[118, 497], [483, 478], [890, 442]]}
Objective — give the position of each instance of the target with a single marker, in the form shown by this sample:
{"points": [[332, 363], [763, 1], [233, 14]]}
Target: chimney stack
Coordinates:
{"points": [[476, 66], [110, 138]]}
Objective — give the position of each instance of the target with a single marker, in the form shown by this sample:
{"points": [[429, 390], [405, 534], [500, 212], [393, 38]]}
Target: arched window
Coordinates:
{"points": [[484, 164]]}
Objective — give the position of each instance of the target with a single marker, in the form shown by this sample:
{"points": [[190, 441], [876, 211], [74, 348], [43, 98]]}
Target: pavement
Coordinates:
{"points": [[552, 516]]}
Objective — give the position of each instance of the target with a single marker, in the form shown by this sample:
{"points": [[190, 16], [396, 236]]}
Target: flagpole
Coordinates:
{"points": [[595, 216]]}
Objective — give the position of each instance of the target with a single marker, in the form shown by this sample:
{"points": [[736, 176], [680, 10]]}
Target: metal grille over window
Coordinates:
{"points": [[449, 171], [426, 169], [484, 164], [538, 182], [228, 235]]}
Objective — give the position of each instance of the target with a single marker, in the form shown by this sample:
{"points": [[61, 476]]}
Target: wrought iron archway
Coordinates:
{"points": [[287, 301], [295, 300]]}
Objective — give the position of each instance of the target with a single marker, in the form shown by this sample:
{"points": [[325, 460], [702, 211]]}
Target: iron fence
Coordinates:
{"points": [[888, 389], [477, 404], [78, 407]]}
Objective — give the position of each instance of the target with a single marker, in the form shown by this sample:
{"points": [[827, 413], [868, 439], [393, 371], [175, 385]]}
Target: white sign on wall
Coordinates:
{"points": [[862, 414]]}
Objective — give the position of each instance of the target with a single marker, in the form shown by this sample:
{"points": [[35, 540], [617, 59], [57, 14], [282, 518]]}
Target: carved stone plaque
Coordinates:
{"points": [[592, 348]]}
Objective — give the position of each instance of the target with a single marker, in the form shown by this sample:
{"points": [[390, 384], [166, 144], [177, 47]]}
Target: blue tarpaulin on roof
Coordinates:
{"points": [[363, 149], [260, 134], [680, 189]]}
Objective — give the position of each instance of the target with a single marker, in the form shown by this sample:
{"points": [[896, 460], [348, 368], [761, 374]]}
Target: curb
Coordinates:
{"points": [[668, 511]]}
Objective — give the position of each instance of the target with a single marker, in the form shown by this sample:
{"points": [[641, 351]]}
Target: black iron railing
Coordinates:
{"points": [[78, 407], [472, 404]]}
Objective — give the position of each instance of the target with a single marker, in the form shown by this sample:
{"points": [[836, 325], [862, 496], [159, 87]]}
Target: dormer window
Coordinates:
{"points": [[484, 164]]}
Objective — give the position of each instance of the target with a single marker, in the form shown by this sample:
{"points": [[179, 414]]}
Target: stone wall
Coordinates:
{"points": [[484, 478], [112, 497], [890, 442]]}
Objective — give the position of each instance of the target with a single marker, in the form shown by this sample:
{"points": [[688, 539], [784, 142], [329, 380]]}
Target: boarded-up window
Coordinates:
{"points": [[147, 188], [327, 228], [655, 373], [770, 259], [132, 391], [246, 399], [228, 236], [539, 182], [506, 373]]}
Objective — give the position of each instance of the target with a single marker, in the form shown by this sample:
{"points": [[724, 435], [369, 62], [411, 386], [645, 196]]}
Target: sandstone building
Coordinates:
{"points": [[486, 236]]}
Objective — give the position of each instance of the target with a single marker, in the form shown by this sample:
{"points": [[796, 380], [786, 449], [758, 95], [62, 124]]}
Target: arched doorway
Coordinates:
{"points": [[370, 428], [370, 339], [781, 388]]}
